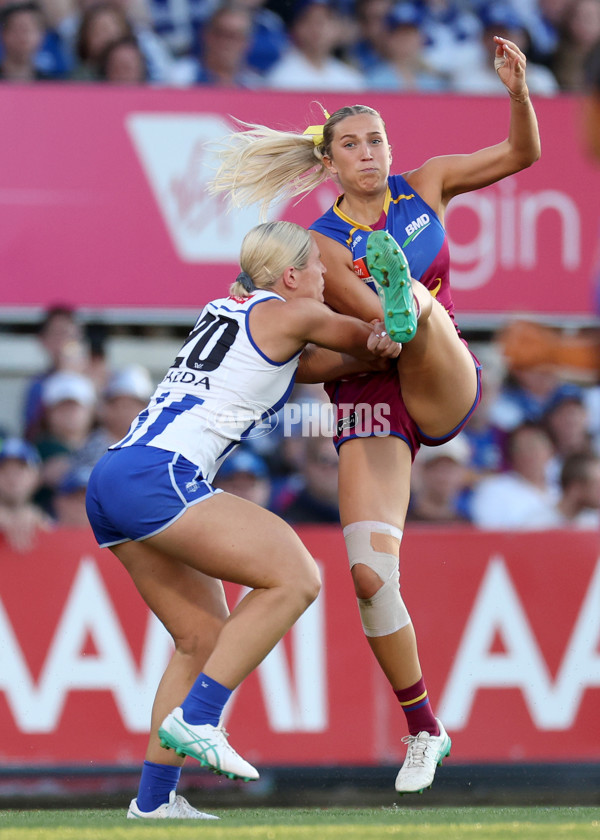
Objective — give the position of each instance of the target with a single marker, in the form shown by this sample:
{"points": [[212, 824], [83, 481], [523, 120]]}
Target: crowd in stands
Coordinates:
{"points": [[528, 459], [530, 455], [311, 45]]}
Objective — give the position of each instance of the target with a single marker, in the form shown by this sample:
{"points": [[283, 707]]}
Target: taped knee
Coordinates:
{"points": [[384, 612]]}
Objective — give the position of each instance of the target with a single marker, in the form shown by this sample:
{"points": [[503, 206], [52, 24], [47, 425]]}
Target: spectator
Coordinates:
{"points": [[526, 395], [526, 344], [305, 414], [100, 26], [579, 503], [177, 23], [269, 38], [317, 497], [69, 499], [54, 57], [61, 338], [245, 474], [20, 518], [520, 498], [225, 40], [591, 398], [310, 62], [126, 394], [372, 25], [402, 65], [123, 63], [482, 78], [69, 401], [452, 35], [487, 441], [160, 63], [567, 424], [579, 34], [22, 30], [286, 470], [110, 21], [545, 20], [442, 484]]}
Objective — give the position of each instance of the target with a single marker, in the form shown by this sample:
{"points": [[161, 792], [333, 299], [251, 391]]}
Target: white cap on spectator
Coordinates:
{"points": [[457, 449], [68, 385], [132, 381]]}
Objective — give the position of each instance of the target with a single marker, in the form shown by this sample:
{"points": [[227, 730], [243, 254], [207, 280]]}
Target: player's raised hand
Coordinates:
{"points": [[510, 63]]}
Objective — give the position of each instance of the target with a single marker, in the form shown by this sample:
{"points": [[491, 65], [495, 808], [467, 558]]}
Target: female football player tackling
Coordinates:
{"points": [[151, 502], [435, 386]]}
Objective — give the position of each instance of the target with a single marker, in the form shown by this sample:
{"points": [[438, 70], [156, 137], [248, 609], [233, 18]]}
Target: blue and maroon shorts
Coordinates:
{"points": [[371, 405]]}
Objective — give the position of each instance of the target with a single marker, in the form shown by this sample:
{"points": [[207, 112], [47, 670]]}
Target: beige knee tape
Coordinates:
{"points": [[385, 612]]}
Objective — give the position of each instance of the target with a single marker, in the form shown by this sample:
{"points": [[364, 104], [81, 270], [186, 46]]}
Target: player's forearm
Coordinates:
{"points": [[318, 364], [524, 135]]}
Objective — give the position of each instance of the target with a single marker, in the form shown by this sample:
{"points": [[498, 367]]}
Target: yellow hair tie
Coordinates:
{"points": [[316, 131]]}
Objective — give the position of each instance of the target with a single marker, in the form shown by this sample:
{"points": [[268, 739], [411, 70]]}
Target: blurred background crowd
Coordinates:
{"points": [[326, 45], [528, 459]]}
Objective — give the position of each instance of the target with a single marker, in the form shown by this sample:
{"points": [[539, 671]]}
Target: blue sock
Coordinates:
{"points": [[157, 782], [205, 702]]}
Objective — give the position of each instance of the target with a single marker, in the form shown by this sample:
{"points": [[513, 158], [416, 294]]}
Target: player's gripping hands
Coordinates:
{"points": [[380, 344]]}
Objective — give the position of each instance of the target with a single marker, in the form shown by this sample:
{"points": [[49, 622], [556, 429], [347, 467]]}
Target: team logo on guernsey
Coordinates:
{"points": [[416, 228], [241, 299], [251, 420], [348, 422]]}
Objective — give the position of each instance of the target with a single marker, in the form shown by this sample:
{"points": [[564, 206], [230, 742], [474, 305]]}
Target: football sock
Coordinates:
{"points": [[156, 783], [205, 702], [415, 705]]}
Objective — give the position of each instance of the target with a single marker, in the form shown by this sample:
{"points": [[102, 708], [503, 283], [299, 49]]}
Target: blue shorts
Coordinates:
{"points": [[139, 491]]}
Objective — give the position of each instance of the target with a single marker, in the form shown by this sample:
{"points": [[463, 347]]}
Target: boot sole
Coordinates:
{"points": [[389, 269]]}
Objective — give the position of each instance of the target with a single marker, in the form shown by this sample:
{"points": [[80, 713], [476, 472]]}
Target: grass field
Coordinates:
{"points": [[489, 823]]}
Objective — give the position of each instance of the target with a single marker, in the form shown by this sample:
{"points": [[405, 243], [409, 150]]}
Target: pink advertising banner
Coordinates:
{"points": [[103, 199], [508, 628]]}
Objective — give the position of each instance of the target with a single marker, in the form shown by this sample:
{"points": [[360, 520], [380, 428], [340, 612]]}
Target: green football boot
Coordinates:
{"points": [[389, 269]]}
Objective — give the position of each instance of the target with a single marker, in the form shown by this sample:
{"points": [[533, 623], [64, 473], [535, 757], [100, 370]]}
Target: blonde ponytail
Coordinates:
{"points": [[262, 165], [242, 286]]}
